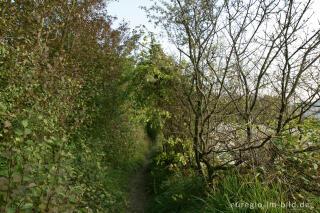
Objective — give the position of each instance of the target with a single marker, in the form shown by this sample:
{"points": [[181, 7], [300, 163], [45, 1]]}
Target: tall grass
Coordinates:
{"points": [[173, 192], [177, 194], [236, 193]]}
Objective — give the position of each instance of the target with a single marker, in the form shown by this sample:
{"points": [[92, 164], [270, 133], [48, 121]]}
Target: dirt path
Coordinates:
{"points": [[138, 194]]}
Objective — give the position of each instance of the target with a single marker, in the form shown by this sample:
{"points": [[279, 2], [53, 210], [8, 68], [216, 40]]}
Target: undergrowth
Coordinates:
{"points": [[181, 190]]}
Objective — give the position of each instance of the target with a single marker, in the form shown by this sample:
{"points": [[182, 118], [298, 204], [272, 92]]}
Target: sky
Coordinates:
{"points": [[129, 11]]}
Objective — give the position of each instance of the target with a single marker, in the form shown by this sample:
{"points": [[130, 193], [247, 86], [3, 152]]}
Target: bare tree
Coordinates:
{"points": [[235, 54]]}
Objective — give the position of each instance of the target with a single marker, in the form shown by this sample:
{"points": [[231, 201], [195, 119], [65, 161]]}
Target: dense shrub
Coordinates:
{"points": [[63, 116]]}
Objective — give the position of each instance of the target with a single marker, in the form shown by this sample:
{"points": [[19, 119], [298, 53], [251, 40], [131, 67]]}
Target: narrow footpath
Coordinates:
{"points": [[138, 194]]}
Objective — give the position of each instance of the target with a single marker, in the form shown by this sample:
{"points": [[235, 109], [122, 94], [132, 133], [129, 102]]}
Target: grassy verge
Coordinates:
{"points": [[182, 190], [246, 193], [171, 190]]}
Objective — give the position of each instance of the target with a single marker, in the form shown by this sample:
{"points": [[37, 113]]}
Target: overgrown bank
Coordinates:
{"points": [[176, 188], [236, 111], [66, 134]]}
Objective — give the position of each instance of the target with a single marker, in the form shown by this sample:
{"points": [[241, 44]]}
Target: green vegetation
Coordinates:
{"points": [[82, 103], [66, 134], [176, 189]]}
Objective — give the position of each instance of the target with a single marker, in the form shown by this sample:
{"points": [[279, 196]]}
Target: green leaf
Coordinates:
{"points": [[19, 132], [10, 210], [25, 123], [27, 206], [29, 142], [27, 131], [3, 173], [42, 206], [315, 166], [3, 107]]}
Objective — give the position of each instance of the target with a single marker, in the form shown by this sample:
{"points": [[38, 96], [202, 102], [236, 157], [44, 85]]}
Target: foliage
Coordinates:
{"points": [[73, 98], [152, 86], [234, 190], [63, 116], [299, 162], [237, 192], [240, 74], [173, 189]]}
